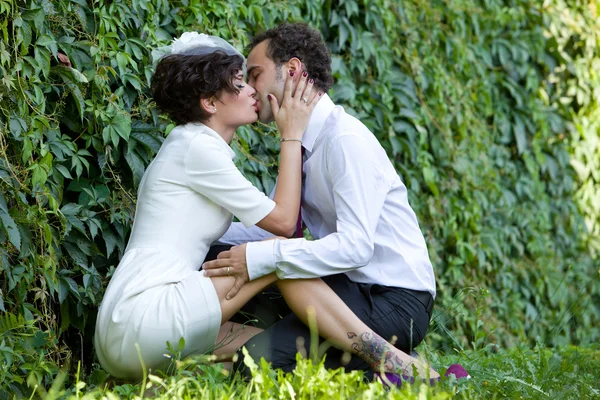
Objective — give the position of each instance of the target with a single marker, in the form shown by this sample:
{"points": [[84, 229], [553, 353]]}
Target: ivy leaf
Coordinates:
{"points": [[17, 126], [134, 81], [70, 212], [63, 170], [63, 291], [119, 126], [430, 180], [71, 77], [147, 140], [9, 224], [401, 126], [26, 249], [122, 62], [36, 15], [520, 136], [110, 240], [79, 102], [42, 56], [78, 76], [344, 92], [72, 285], [44, 41], [26, 36], [76, 254], [343, 35], [93, 225], [137, 166]]}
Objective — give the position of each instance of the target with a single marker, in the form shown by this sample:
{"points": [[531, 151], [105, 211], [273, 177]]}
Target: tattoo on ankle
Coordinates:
{"points": [[377, 352]]}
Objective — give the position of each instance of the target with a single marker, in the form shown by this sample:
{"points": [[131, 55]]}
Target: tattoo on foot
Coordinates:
{"points": [[352, 335]]}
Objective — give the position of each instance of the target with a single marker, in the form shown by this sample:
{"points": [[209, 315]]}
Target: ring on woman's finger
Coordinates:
{"points": [[228, 273], [305, 99]]}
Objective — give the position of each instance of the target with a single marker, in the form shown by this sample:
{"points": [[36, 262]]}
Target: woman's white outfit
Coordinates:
{"points": [[157, 295]]}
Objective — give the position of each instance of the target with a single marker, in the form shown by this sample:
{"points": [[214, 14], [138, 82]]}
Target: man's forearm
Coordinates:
{"points": [[301, 259]]}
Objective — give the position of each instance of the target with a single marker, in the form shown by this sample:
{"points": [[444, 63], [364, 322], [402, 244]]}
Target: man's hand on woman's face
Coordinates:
{"points": [[230, 263]]}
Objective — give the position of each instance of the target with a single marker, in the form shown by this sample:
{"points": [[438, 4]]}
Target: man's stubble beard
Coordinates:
{"points": [[269, 117], [265, 114]]}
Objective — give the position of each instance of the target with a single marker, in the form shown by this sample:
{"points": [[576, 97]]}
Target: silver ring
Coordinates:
{"points": [[304, 99], [228, 273]]}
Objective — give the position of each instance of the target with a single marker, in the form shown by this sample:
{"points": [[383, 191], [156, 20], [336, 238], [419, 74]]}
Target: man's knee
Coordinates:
{"points": [[264, 345], [256, 347]]}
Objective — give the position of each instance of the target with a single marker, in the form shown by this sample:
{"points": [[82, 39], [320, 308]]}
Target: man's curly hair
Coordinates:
{"points": [[290, 40], [180, 81]]}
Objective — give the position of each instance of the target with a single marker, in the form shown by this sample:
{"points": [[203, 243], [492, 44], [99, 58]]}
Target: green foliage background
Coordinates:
{"points": [[488, 109]]}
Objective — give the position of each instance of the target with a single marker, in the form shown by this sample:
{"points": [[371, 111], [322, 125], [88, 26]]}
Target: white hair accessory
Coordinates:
{"points": [[194, 43]]}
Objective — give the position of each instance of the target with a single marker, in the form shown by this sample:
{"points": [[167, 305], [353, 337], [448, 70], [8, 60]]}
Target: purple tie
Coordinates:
{"points": [[299, 233]]}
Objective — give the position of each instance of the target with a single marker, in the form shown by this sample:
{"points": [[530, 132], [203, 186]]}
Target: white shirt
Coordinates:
{"points": [[356, 208]]}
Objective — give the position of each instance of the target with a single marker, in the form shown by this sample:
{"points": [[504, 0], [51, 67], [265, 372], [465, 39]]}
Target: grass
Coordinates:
{"points": [[521, 372]]}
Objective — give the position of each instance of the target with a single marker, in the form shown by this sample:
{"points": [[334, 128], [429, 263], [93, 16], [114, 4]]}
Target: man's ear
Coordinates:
{"points": [[294, 64], [209, 105]]}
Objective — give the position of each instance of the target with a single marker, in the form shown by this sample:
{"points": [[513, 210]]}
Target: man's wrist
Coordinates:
{"points": [[260, 258]]}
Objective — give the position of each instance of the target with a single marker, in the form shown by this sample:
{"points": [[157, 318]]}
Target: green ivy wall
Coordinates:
{"points": [[488, 109]]}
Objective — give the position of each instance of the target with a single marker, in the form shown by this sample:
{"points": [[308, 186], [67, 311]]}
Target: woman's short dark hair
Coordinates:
{"points": [[290, 40], [180, 81]]}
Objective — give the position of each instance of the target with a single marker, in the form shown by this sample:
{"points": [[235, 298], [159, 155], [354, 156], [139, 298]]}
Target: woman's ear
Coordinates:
{"points": [[209, 105]]}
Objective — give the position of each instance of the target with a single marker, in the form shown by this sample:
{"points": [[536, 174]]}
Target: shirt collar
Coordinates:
{"points": [[199, 127], [316, 122]]}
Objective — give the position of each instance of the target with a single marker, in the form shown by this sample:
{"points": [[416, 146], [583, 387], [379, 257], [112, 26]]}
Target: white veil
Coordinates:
{"points": [[195, 44]]}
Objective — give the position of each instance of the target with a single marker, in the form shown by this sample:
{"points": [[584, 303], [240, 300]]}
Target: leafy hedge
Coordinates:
{"points": [[488, 109]]}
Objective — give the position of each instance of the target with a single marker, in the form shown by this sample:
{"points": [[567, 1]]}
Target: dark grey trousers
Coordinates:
{"points": [[389, 311]]}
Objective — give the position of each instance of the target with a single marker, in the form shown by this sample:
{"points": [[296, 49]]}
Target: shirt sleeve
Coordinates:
{"points": [[211, 172], [359, 189], [239, 234]]}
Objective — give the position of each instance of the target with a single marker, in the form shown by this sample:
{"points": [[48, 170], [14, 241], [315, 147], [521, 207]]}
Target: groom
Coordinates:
{"points": [[367, 243]]}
